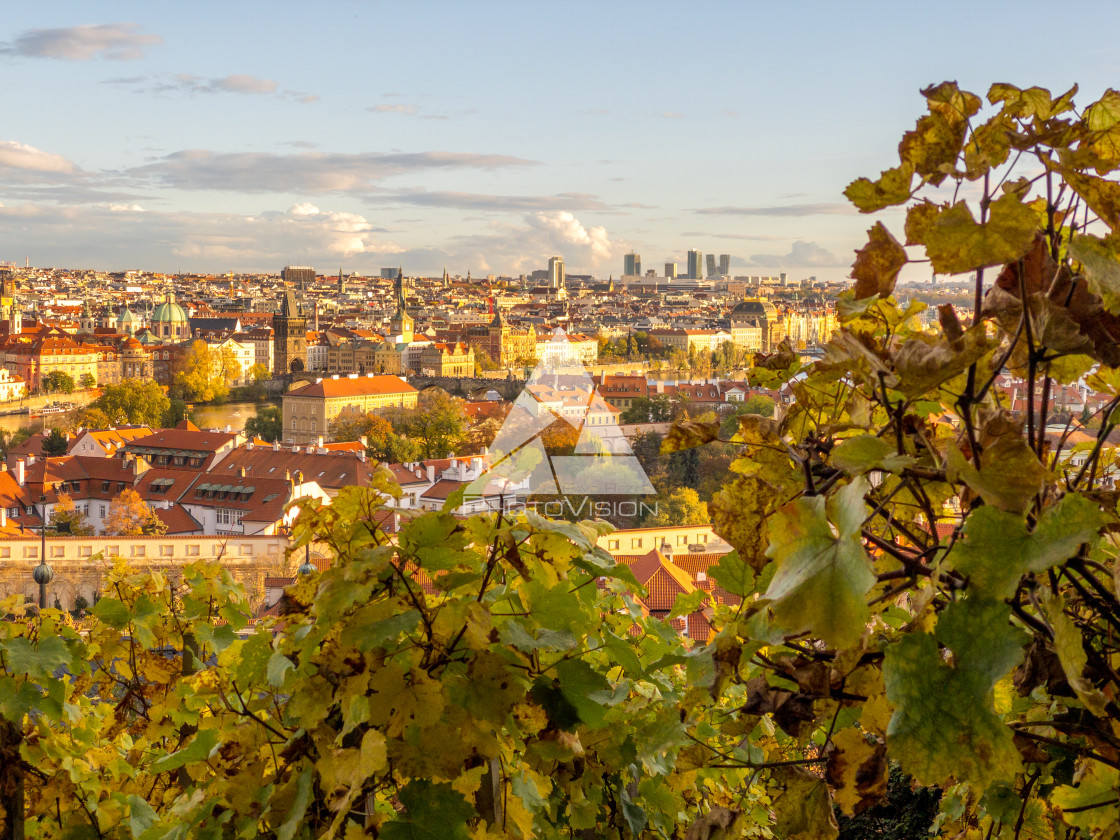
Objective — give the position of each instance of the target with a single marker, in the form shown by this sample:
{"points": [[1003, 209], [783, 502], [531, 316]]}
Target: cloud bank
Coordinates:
{"points": [[116, 41]]}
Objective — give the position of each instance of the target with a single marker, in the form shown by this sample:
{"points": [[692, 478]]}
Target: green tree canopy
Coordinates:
{"points": [[137, 402], [201, 375], [267, 423]]}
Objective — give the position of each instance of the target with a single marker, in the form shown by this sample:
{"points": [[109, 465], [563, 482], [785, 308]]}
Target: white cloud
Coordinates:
{"points": [[801, 255], [119, 41], [565, 230], [408, 110], [19, 156]]}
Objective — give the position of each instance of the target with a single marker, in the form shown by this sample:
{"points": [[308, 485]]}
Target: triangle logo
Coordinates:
{"points": [[560, 390]]}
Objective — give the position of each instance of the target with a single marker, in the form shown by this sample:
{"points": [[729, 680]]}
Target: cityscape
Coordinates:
{"points": [[537, 421]]}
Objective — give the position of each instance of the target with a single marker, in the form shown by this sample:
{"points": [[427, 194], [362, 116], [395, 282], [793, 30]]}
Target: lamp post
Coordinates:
{"points": [[43, 573], [306, 567]]}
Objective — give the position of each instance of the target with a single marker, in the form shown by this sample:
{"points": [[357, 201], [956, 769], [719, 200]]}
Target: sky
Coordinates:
{"points": [[485, 136]]}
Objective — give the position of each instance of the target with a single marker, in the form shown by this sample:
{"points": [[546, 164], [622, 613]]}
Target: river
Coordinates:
{"points": [[232, 414]]}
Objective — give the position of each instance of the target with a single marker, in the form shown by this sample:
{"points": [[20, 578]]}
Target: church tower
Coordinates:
{"points": [[402, 323], [289, 337]]}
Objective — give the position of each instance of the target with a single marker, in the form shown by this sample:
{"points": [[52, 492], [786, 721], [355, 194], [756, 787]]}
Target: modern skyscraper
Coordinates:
{"points": [[695, 265], [671, 270], [632, 264], [725, 265], [556, 273]]}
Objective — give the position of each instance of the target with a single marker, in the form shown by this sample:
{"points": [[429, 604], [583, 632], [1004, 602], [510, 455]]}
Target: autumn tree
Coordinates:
{"points": [[130, 516], [382, 441], [59, 382], [136, 402], [437, 425], [680, 507], [67, 519], [199, 375]]}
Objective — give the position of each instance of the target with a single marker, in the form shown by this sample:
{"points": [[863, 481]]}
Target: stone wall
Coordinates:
{"points": [[80, 563]]}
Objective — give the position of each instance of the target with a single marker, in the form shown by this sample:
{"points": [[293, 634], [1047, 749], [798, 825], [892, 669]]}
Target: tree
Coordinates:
{"points": [[58, 381], [229, 366], [759, 404], [659, 408], [437, 425], [680, 507], [136, 402], [130, 516], [267, 423], [55, 443], [382, 442], [87, 381], [9, 439], [258, 374], [67, 519], [200, 377]]}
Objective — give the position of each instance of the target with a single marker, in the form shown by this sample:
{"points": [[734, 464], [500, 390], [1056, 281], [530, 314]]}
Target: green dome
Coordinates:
{"points": [[126, 316], [169, 312]]}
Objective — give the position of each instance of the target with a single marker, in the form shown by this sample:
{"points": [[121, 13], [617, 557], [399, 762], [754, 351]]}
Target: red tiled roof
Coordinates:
{"points": [[360, 386]]}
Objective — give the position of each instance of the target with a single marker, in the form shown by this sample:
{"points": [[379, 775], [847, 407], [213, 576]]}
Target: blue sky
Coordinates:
{"points": [[484, 136]]}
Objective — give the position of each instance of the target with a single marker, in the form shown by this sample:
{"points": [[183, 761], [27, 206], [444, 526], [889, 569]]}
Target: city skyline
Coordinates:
{"points": [[364, 135]]}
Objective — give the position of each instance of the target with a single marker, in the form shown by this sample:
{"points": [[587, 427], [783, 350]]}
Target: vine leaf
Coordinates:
{"points": [[856, 770], [688, 434], [1009, 477], [956, 243], [892, 187], [431, 812], [1090, 802], [1069, 645], [822, 574], [944, 724], [867, 452], [804, 808], [1102, 268], [997, 549], [878, 263]]}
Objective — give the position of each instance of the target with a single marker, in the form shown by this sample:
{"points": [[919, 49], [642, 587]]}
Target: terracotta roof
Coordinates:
{"points": [[178, 520], [333, 470], [348, 387]]}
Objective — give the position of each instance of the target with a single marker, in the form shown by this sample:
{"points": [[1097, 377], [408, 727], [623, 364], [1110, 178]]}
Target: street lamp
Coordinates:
{"points": [[43, 573], [306, 567]]}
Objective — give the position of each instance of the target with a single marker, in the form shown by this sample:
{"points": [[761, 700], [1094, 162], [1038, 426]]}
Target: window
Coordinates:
{"points": [[31, 551], [5, 552], [636, 542], [105, 486], [223, 516], [113, 551], [701, 538], [612, 545], [58, 551], [101, 511], [244, 550], [166, 550], [682, 539], [85, 551], [138, 551], [192, 551]]}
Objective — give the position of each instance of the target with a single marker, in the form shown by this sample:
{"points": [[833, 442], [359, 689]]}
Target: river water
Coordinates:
{"points": [[233, 414]]}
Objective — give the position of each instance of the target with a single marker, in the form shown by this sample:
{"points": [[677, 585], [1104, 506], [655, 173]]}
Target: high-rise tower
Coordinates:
{"points": [[556, 273], [632, 264], [695, 265]]}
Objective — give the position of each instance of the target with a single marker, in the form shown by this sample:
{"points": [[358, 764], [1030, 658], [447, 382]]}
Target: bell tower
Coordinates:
{"points": [[289, 337]]}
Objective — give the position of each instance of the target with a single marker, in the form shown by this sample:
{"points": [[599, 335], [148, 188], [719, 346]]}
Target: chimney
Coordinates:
{"points": [[431, 474], [295, 449], [3, 517], [242, 472], [462, 471], [319, 442], [276, 446], [229, 429], [364, 441], [287, 475], [21, 476]]}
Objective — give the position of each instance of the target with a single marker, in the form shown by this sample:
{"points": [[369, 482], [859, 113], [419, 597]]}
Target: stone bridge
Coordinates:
{"points": [[467, 386]]}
